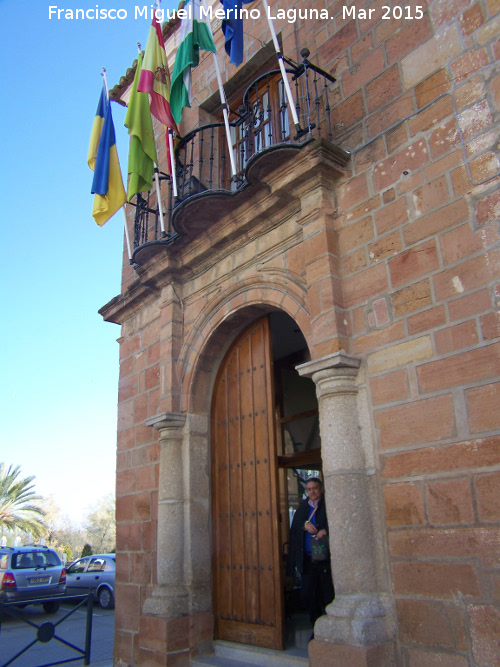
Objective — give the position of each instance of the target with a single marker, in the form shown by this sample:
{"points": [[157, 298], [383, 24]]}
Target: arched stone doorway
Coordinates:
{"points": [[361, 615], [264, 445]]}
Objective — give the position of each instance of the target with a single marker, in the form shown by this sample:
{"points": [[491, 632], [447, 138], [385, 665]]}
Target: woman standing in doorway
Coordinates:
{"points": [[310, 523]]}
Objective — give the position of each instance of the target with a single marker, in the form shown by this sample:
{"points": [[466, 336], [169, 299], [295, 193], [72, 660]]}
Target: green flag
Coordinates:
{"points": [[195, 34], [142, 154]]}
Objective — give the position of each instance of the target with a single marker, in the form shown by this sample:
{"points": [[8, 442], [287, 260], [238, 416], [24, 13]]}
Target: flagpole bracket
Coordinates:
{"points": [[301, 132], [241, 113], [307, 64]]}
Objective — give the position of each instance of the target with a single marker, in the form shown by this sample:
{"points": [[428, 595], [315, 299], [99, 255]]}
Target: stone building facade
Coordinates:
{"points": [[378, 247]]}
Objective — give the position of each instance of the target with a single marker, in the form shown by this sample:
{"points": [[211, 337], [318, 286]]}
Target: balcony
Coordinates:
{"points": [[262, 136]]}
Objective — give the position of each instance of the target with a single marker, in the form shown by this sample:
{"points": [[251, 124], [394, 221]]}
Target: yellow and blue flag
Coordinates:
{"points": [[102, 158]]}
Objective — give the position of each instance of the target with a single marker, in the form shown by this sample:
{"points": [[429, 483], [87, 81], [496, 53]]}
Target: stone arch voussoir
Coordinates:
{"points": [[221, 321]]}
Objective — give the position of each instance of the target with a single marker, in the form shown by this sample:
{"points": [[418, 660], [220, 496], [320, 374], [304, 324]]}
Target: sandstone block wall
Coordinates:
{"points": [[399, 264]]}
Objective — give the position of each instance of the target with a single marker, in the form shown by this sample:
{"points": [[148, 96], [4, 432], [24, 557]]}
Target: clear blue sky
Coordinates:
{"points": [[59, 360]]}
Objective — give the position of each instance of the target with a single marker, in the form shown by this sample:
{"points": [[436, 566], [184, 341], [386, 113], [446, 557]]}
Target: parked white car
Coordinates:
{"points": [[94, 573]]}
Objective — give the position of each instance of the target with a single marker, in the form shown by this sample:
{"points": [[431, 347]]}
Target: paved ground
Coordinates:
{"points": [[16, 635]]}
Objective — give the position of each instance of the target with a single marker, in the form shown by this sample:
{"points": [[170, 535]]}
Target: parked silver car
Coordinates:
{"points": [[30, 574], [94, 573]]}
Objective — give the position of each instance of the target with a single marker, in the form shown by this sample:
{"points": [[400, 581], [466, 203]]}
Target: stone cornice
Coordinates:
{"points": [[120, 307], [218, 224]]}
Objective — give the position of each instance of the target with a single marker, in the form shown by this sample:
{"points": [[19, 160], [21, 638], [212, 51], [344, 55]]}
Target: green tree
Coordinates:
{"points": [[51, 521], [86, 551], [100, 525], [19, 508], [68, 552], [60, 530]]}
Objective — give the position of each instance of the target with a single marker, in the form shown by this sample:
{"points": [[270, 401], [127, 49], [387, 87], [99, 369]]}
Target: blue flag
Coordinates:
{"points": [[232, 27]]}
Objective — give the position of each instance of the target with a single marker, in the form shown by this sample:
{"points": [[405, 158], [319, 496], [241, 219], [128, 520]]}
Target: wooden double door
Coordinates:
{"points": [[248, 597]]}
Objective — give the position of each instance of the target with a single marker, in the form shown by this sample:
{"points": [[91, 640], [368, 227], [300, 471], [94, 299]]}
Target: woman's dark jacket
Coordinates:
{"points": [[295, 557]]}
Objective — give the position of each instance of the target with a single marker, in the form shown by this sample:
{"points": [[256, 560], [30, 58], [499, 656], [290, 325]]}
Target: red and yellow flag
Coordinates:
{"points": [[155, 77]]}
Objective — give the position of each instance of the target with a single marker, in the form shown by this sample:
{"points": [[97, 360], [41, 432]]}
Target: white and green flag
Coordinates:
{"points": [[195, 34]]}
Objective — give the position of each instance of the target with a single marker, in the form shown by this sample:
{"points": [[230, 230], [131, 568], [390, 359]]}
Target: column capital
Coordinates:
{"points": [[335, 364], [166, 420], [334, 374]]}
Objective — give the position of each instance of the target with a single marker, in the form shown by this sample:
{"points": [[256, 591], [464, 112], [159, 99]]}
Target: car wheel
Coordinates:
{"points": [[106, 600], [51, 607]]}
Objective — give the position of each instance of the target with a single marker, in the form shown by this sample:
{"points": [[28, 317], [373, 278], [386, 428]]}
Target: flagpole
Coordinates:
{"points": [[158, 197], [225, 112], [282, 67], [172, 159], [105, 81], [127, 238]]}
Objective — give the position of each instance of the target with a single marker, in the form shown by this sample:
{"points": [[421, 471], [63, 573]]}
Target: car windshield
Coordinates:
{"points": [[34, 559]]}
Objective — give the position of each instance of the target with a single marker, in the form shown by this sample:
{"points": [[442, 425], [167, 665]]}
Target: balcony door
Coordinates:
{"points": [[261, 121], [248, 599]]}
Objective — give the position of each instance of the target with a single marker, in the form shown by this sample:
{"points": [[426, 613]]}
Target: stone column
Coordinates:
{"points": [[359, 625], [170, 596]]}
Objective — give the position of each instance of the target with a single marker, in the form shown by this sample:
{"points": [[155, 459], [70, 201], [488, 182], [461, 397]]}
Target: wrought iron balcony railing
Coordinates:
{"points": [[262, 122]]}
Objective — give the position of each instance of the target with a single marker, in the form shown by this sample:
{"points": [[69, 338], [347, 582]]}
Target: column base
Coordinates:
{"points": [[167, 601], [358, 620], [357, 630]]}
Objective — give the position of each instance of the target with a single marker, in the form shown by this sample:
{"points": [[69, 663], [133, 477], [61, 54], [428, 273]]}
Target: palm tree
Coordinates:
{"points": [[19, 507]]}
